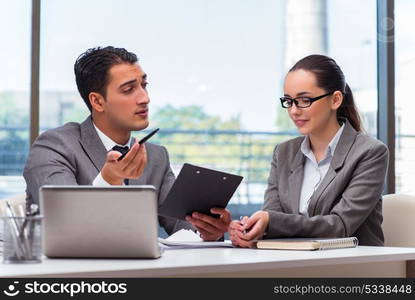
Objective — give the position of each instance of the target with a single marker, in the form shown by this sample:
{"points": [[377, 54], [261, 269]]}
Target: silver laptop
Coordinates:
{"points": [[86, 221]]}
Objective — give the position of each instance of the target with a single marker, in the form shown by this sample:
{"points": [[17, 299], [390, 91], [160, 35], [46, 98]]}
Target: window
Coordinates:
{"points": [[404, 65], [353, 45], [215, 68], [214, 73], [14, 94]]}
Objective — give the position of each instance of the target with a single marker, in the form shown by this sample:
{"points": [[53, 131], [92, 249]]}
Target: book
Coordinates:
{"points": [[186, 238], [307, 243]]}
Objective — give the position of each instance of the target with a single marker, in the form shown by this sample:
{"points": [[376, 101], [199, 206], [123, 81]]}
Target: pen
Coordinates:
{"points": [[32, 210], [242, 223], [20, 210], [142, 141]]}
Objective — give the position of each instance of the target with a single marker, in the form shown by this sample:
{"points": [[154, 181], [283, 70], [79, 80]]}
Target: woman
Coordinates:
{"points": [[327, 183]]}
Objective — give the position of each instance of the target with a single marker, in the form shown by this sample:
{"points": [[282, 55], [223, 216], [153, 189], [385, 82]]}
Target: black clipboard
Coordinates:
{"points": [[198, 189]]}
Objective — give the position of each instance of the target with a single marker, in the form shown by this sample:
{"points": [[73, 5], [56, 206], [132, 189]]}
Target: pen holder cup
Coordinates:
{"points": [[22, 240]]}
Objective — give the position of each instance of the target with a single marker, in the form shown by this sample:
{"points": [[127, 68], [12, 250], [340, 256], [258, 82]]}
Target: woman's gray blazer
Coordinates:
{"points": [[348, 202]]}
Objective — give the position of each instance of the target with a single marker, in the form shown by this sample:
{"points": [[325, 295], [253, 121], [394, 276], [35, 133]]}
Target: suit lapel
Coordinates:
{"points": [[92, 144], [295, 180], [342, 149], [323, 185]]}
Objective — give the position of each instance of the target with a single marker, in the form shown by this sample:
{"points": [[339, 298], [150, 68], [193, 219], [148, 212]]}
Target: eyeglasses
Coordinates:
{"points": [[301, 102]]}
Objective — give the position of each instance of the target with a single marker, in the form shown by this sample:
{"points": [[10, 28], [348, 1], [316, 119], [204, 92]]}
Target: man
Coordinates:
{"points": [[113, 86]]}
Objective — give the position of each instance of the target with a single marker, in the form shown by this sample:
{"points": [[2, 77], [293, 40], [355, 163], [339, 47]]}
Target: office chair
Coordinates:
{"points": [[399, 220], [398, 224]]}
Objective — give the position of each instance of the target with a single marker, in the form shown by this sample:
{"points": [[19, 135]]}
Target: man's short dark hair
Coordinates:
{"points": [[91, 69]]}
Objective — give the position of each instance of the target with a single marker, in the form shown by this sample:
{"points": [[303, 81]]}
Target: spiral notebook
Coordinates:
{"points": [[307, 243]]}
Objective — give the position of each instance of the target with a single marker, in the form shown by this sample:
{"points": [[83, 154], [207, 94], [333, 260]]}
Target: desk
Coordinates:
{"points": [[231, 262]]}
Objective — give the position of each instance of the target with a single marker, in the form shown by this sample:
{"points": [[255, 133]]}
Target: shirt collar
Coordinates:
{"points": [[108, 142], [335, 140], [306, 149]]}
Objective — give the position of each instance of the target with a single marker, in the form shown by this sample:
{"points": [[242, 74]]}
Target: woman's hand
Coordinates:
{"points": [[242, 233]]}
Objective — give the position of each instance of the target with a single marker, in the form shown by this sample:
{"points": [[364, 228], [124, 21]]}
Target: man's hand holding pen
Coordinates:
{"points": [[243, 232], [131, 166]]}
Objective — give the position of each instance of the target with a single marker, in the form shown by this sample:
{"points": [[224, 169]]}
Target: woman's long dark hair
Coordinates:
{"points": [[331, 78]]}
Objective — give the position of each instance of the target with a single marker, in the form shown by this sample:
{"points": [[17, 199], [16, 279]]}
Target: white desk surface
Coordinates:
{"points": [[188, 262]]}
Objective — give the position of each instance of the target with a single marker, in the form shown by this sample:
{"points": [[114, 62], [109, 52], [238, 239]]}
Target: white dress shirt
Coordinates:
{"points": [[108, 144], [314, 171]]}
